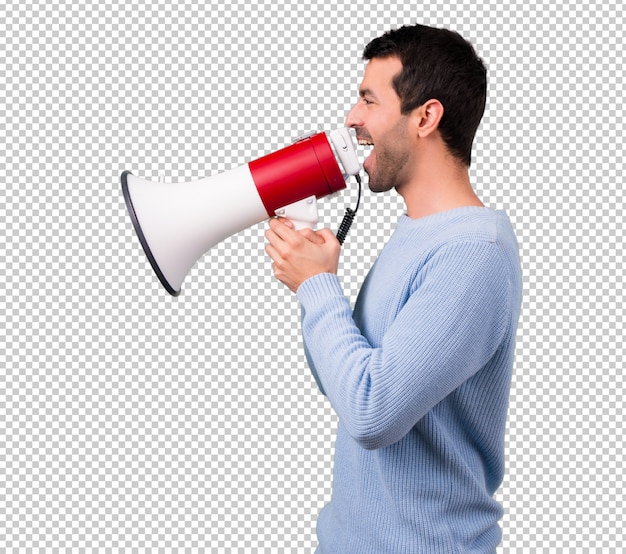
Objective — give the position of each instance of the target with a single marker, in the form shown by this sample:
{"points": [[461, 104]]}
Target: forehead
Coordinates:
{"points": [[379, 75]]}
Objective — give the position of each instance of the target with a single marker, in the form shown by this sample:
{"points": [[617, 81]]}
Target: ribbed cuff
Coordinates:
{"points": [[323, 285]]}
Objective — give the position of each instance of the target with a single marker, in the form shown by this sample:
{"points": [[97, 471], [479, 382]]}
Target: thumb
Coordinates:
{"points": [[328, 236], [312, 236]]}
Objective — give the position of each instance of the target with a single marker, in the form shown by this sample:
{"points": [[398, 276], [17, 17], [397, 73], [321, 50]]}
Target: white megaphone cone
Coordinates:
{"points": [[178, 222]]}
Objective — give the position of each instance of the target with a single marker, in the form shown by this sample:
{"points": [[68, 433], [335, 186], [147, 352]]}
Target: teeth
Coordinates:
{"points": [[363, 142]]}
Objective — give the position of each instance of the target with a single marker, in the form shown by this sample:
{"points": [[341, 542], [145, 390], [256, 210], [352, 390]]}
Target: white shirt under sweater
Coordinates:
{"points": [[419, 376]]}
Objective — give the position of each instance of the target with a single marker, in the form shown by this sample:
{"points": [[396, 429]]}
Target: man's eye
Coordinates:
{"points": [[366, 101]]}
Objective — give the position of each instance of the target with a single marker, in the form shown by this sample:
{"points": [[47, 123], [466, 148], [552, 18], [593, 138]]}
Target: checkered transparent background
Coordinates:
{"points": [[133, 421]]}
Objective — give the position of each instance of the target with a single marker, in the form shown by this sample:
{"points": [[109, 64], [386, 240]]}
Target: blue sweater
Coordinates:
{"points": [[419, 376]]}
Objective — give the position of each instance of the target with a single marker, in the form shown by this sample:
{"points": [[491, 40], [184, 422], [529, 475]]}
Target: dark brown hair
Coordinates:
{"points": [[438, 64]]}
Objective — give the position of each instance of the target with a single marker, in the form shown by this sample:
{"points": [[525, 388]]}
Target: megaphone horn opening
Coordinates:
{"points": [[142, 238]]}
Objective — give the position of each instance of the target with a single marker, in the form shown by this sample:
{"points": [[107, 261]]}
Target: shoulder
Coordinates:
{"points": [[469, 223], [471, 235]]}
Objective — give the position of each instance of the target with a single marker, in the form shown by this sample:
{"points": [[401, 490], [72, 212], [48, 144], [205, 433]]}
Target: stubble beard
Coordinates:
{"points": [[391, 160], [390, 163]]}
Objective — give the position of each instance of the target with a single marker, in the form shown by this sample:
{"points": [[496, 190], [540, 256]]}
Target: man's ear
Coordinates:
{"points": [[427, 117]]}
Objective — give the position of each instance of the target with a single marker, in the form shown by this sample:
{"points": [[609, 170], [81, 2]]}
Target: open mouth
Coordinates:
{"points": [[366, 142]]}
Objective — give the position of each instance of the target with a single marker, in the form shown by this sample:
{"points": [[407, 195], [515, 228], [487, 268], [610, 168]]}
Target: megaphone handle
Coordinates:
{"points": [[303, 213]]}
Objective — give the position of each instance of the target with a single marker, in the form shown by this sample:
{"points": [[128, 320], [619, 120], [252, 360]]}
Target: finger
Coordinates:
{"points": [[279, 246], [272, 253], [276, 245], [286, 221], [277, 228], [271, 236], [282, 230]]}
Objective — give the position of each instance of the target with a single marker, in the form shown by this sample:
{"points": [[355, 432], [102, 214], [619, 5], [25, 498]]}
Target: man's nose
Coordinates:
{"points": [[354, 119]]}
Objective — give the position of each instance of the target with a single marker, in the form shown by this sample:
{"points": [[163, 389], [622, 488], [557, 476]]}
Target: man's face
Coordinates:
{"points": [[378, 121]]}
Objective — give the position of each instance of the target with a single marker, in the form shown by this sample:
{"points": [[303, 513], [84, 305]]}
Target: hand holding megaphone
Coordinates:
{"points": [[178, 222]]}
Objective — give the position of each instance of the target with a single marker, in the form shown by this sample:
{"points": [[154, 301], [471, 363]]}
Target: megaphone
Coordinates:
{"points": [[178, 222]]}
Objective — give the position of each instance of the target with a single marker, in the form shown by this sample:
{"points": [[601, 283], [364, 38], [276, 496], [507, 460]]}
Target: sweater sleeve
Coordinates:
{"points": [[448, 328]]}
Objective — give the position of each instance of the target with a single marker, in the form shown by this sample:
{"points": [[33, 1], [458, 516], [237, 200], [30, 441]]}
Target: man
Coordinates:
{"points": [[419, 374]]}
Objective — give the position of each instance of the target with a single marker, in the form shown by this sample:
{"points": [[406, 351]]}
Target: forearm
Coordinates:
{"points": [[342, 359], [436, 342]]}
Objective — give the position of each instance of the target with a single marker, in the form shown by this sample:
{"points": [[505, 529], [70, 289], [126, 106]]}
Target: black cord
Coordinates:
{"points": [[348, 217]]}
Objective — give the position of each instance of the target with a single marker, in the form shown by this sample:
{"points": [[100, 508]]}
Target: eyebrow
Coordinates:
{"points": [[367, 92]]}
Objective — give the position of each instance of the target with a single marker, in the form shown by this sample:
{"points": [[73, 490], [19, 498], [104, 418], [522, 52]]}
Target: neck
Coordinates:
{"points": [[438, 185]]}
